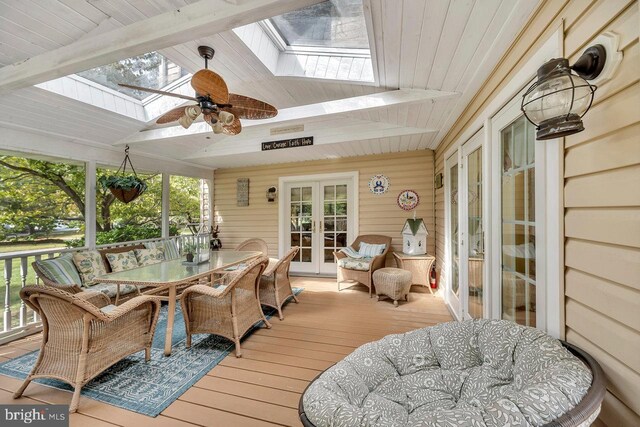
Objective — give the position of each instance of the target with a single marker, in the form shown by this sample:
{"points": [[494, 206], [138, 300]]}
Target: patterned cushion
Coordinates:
{"points": [[473, 373], [351, 253], [61, 270], [89, 264], [361, 264], [109, 289], [122, 261], [168, 246], [149, 256], [370, 250]]}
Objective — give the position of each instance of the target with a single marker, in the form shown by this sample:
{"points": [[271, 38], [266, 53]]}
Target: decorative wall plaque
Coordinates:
{"points": [[243, 192], [379, 184], [408, 200], [287, 143]]}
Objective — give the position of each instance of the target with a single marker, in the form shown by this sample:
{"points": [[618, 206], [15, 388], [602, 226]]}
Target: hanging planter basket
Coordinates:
{"points": [[124, 187]]}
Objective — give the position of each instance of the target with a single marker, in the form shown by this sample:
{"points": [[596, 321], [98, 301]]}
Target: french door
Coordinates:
{"points": [[465, 225], [320, 217]]}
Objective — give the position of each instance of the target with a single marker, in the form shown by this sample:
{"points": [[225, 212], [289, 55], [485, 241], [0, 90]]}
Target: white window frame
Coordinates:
{"points": [[552, 169]]}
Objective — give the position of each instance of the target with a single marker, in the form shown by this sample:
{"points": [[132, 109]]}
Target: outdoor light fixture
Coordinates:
{"points": [[558, 100]]}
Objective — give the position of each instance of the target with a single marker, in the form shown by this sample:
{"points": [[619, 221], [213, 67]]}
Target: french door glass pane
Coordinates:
{"points": [[455, 258], [476, 234], [518, 223], [334, 220], [301, 222]]}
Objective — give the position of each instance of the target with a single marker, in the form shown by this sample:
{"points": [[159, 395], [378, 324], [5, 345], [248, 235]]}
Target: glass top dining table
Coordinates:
{"points": [[169, 274]]}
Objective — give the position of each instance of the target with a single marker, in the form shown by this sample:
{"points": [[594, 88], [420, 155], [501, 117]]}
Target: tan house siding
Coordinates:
{"points": [[378, 214], [601, 195]]}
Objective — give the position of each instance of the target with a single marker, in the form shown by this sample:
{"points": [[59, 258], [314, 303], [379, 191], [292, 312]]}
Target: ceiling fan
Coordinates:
{"points": [[220, 109]]}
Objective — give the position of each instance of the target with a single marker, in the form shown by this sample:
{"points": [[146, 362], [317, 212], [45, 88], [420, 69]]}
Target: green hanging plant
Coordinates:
{"points": [[125, 188]]}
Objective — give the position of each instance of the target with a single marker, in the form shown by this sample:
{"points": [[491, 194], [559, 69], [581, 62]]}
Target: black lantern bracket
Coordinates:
{"points": [[600, 61]]}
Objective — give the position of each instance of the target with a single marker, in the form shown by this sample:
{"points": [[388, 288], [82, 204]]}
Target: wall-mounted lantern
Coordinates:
{"points": [[559, 98], [272, 193]]}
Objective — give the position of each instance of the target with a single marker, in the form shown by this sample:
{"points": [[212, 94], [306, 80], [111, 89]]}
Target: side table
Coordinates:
{"points": [[418, 265]]}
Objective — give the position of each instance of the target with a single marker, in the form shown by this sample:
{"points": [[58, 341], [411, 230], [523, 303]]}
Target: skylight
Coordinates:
{"points": [[152, 70], [331, 24]]}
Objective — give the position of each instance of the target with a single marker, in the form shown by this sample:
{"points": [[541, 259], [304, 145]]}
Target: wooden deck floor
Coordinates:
{"points": [[263, 387]]}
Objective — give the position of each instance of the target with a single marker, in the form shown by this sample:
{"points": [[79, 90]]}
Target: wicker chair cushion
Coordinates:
{"points": [[122, 261], [60, 270], [371, 250], [168, 246], [89, 264], [475, 373], [360, 264], [110, 289], [149, 256]]}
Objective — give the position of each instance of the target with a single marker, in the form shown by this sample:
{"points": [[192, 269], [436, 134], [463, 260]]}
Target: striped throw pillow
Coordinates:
{"points": [[351, 253], [370, 250], [61, 270]]}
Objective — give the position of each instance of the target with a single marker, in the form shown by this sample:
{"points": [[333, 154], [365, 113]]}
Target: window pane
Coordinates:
{"points": [[306, 240], [328, 255], [334, 23], [151, 70], [329, 208], [341, 240], [341, 192], [531, 251], [185, 216], [305, 254], [341, 224], [295, 194], [520, 250], [296, 208], [307, 209], [341, 208], [295, 239], [305, 223], [518, 196], [507, 150], [329, 240], [329, 225], [329, 192], [306, 194], [519, 144], [531, 194]]}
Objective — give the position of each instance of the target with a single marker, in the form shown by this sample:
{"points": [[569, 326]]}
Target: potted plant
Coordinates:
{"points": [[189, 250], [125, 188]]}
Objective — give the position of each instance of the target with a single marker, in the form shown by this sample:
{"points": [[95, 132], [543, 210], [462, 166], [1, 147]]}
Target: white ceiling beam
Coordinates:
{"points": [[301, 114], [327, 131], [188, 23]]}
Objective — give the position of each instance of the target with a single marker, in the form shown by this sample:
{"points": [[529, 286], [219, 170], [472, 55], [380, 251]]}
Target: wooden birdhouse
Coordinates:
{"points": [[414, 237]]}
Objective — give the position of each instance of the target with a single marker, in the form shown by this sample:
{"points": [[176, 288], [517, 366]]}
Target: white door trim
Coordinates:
{"points": [[454, 303], [554, 184], [354, 176]]}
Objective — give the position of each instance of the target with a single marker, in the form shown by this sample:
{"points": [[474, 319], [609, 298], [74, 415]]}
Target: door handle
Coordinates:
{"points": [[313, 226], [321, 227]]}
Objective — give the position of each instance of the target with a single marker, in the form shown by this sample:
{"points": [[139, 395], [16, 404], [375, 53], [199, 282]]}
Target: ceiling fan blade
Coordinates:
{"points": [[171, 115], [234, 128], [249, 108], [160, 92], [207, 83]]}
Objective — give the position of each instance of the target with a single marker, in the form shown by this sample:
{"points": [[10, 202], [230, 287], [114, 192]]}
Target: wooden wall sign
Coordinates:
{"points": [[287, 143], [242, 195]]}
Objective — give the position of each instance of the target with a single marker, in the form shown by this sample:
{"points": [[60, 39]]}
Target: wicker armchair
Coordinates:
{"points": [[229, 311], [275, 286], [364, 277], [254, 245], [79, 340]]}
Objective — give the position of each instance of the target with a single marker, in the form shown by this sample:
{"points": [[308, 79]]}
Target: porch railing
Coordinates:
{"points": [[18, 319]]}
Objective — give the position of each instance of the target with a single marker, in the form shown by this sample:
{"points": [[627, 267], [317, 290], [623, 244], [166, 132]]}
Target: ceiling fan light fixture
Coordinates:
{"points": [[217, 127], [225, 117], [185, 121]]}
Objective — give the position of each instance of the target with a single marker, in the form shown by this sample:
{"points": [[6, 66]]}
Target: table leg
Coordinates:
{"points": [[171, 314]]}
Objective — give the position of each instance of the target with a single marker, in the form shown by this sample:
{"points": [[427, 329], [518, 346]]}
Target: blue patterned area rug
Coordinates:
{"points": [[147, 388]]}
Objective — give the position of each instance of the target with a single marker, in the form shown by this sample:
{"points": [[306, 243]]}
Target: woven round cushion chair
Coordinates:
{"points": [[392, 282], [473, 373], [83, 334]]}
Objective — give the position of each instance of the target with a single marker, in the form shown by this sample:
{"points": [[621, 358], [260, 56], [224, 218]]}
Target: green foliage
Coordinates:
{"points": [[126, 182], [189, 248], [124, 234]]}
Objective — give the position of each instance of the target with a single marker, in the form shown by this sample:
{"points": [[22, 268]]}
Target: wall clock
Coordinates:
{"points": [[408, 200], [379, 184]]}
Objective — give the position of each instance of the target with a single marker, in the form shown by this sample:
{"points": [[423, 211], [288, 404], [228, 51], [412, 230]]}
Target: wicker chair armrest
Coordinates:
{"points": [[94, 297], [206, 290], [377, 262], [337, 255], [132, 304]]}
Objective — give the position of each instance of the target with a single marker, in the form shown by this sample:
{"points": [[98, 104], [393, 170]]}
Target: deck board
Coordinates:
{"points": [[263, 387]]}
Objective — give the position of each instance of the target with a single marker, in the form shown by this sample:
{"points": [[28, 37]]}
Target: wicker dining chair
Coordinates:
{"points": [[258, 245], [275, 286], [230, 310], [377, 262], [83, 334]]}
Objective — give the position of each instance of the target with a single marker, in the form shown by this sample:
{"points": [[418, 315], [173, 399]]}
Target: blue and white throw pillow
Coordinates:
{"points": [[371, 250], [351, 253]]}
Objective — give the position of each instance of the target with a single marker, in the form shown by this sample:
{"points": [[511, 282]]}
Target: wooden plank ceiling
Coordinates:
{"points": [[445, 45]]}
